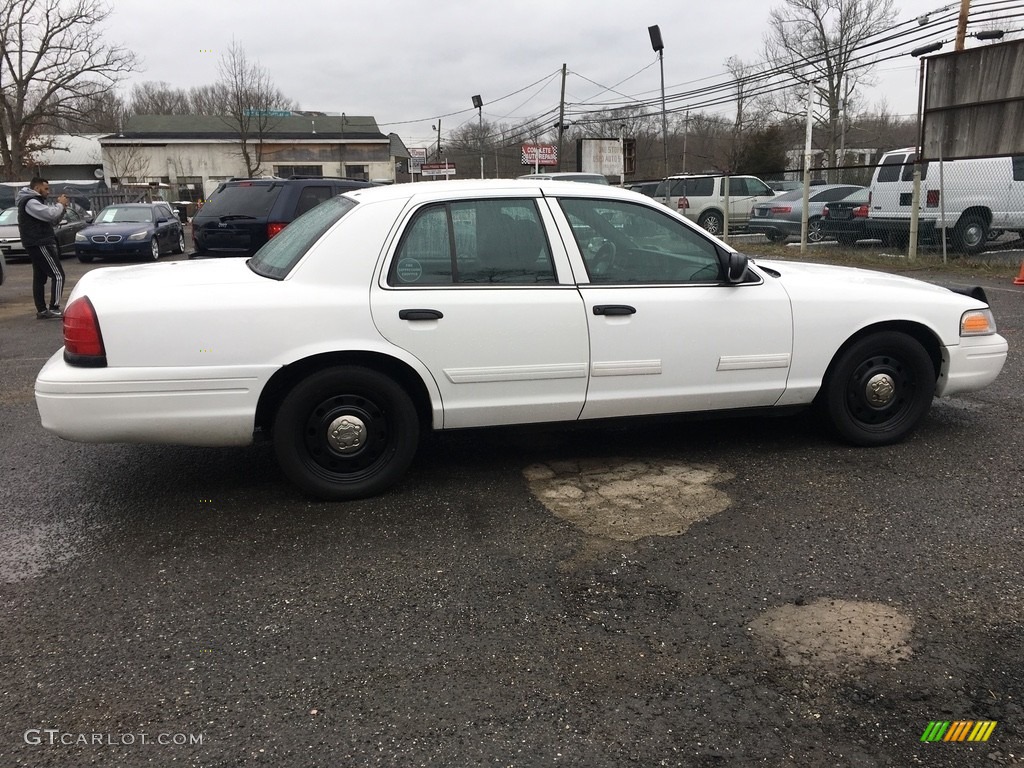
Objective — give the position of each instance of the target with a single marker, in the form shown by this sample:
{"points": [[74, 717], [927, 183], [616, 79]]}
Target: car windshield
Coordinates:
{"points": [[9, 216], [283, 251], [125, 214]]}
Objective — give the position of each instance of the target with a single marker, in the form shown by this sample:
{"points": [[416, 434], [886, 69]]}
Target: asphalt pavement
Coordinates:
{"points": [[733, 592]]}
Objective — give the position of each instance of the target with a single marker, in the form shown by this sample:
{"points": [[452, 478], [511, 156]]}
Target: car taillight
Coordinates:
{"points": [[932, 200], [83, 342], [860, 212], [274, 228], [781, 209], [683, 203]]}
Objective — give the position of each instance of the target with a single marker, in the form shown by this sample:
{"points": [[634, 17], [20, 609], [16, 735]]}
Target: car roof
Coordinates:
{"points": [[511, 187]]}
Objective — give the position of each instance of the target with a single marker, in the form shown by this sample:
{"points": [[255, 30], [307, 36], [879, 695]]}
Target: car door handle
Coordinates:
{"points": [[614, 309], [419, 314]]}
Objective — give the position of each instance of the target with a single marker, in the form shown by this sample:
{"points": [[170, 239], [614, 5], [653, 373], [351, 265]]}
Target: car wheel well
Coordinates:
{"points": [[977, 212], [920, 333], [287, 377]]}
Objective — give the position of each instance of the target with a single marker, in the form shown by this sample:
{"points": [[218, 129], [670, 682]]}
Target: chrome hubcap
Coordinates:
{"points": [[880, 390], [347, 434]]}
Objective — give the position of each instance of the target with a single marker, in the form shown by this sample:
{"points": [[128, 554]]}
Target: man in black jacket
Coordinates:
{"points": [[36, 220]]}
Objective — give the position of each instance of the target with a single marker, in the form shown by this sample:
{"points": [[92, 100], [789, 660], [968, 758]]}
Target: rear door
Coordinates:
{"points": [[479, 293], [234, 219]]}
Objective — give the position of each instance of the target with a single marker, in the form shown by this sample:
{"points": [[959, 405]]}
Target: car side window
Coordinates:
{"points": [[758, 188], [626, 243], [474, 242], [310, 197]]}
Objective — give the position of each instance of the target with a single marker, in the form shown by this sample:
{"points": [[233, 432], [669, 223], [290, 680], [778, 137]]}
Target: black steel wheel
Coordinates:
{"points": [[879, 389], [345, 433]]}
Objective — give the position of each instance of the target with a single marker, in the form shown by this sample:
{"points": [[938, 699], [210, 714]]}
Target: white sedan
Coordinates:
{"points": [[392, 310]]}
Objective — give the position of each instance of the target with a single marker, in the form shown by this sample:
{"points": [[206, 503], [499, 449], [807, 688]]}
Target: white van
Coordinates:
{"points": [[980, 198]]}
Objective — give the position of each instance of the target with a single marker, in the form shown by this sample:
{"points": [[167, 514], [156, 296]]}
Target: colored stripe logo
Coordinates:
{"points": [[958, 730]]}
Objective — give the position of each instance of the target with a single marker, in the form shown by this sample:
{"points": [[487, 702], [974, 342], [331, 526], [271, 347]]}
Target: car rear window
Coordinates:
{"points": [[243, 199], [283, 251]]}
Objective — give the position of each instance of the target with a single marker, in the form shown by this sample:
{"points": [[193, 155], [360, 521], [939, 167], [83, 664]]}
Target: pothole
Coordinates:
{"points": [[627, 500], [836, 633]]}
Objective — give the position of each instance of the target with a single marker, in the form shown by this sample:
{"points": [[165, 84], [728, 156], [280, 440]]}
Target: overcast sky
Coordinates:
{"points": [[407, 62]]}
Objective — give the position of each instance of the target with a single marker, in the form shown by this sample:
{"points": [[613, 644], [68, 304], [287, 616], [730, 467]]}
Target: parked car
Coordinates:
{"points": [[782, 217], [645, 187], [980, 196], [846, 220], [243, 214], [10, 236], [589, 178], [376, 316], [702, 198], [144, 230], [781, 187]]}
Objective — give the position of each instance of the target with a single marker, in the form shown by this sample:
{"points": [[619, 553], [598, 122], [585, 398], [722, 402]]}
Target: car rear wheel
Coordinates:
{"points": [[879, 389], [814, 231], [154, 248], [712, 222], [345, 433], [970, 234]]}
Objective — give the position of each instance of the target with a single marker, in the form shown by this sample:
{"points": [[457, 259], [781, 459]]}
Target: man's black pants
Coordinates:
{"points": [[46, 265]]}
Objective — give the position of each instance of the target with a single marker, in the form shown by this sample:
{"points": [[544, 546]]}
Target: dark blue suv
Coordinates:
{"points": [[242, 214]]}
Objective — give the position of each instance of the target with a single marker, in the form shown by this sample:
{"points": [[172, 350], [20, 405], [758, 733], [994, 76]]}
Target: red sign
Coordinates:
{"points": [[540, 154]]}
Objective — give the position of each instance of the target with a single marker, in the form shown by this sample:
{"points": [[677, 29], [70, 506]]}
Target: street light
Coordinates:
{"points": [[437, 152], [479, 104], [659, 47]]}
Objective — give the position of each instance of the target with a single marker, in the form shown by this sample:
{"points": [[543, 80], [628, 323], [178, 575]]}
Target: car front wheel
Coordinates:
{"points": [[879, 389], [180, 247], [345, 433], [154, 248]]}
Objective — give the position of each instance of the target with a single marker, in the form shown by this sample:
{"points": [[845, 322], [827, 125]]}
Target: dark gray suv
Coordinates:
{"points": [[242, 214]]}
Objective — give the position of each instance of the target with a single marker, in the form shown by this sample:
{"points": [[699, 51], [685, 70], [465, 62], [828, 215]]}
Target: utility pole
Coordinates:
{"points": [[561, 119], [961, 25]]}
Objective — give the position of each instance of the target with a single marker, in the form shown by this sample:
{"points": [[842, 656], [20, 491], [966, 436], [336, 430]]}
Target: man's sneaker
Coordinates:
{"points": [[48, 314]]}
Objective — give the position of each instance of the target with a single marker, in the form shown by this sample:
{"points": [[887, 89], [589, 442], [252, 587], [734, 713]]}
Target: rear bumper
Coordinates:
{"points": [[972, 364], [187, 406]]}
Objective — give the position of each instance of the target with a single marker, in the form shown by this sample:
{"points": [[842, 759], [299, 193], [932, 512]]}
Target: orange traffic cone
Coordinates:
{"points": [[1019, 279]]}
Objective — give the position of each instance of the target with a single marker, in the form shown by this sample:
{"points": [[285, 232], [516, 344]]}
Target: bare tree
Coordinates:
{"points": [[252, 100], [51, 56], [209, 99], [821, 40], [159, 98], [126, 162]]}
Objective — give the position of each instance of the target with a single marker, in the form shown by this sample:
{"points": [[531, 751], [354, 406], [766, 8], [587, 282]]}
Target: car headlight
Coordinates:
{"points": [[80, 238], [143, 235], [977, 322]]}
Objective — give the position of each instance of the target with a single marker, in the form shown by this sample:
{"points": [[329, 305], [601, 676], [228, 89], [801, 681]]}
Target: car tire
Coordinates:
{"points": [[382, 437], [84, 259], [180, 246], [814, 231], [154, 248], [970, 235], [878, 389], [712, 222]]}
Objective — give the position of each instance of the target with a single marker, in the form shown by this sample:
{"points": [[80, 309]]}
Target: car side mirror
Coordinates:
{"points": [[161, 221], [735, 266]]}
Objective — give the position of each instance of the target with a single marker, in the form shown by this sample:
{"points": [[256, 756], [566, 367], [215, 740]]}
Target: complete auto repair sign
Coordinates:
{"points": [[540, 154]]}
